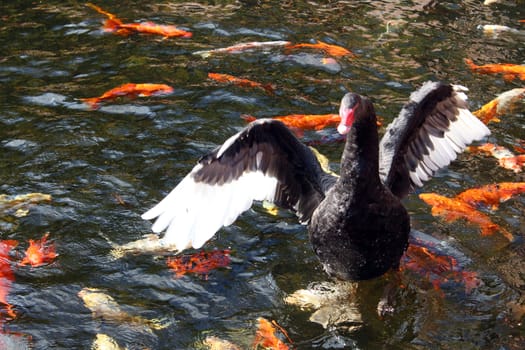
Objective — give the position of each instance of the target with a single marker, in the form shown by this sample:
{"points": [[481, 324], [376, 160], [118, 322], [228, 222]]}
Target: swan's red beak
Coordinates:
{"points": [[347, 119], [349, 104]]}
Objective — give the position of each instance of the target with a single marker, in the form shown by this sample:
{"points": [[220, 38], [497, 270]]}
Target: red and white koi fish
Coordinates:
{"points": [[242, 47], [129, 89], [506, 158], [515, 163], [114, 24], [502, 104]]}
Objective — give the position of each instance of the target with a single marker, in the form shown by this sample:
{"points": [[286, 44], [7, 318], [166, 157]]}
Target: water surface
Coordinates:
{"points": [[54, 53]]}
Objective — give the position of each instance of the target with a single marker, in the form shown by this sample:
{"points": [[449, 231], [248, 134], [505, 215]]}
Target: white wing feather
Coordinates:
{"points": [[193, 211]]}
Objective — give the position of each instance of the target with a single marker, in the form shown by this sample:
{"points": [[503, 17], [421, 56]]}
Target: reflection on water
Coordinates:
{"points": [[104, 168]]}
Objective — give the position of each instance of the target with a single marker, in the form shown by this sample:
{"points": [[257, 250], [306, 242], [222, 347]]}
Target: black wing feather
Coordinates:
{"points": [[430, 129], [268, 146]]}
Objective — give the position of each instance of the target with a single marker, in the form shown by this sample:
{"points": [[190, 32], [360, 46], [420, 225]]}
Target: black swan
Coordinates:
{"points": [[357, 224]]}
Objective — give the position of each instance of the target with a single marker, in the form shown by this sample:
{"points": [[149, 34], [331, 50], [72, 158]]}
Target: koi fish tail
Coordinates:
{"points": [[92, 102], [470, 63], [112, 24]]}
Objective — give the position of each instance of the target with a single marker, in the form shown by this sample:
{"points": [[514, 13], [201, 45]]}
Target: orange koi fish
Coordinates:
{"points": [[506, 158], [227, 78], [329, 49], [437, 268], [200, 263], [266, 338], [40, 252], [304, 121], [491, 195], [129, 89], [6, 274], [452, 209], [114, 24], [242, 47], [510, 71], [500, 105]]}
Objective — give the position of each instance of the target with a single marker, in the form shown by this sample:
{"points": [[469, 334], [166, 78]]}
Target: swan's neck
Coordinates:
{"points": [[360, 160]]}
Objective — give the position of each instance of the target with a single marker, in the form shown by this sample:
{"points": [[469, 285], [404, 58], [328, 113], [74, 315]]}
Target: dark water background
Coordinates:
{"points": [[53, 53]]}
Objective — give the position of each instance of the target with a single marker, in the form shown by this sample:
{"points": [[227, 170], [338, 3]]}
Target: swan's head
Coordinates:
{"points": [[349, 104], [356, 109]]}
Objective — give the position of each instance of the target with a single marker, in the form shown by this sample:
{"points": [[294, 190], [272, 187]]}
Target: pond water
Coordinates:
{"points": [[104, 168]]}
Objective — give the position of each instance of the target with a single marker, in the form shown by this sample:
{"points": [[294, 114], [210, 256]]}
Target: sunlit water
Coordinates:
{"points": [[104, 168]]}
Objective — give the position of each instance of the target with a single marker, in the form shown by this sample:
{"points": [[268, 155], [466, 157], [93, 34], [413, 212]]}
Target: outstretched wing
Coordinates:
{"points": [[431, 129], [264, 161]]}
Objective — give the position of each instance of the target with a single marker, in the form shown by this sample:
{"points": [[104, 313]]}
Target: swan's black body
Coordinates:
{"points": [[360, 229]]}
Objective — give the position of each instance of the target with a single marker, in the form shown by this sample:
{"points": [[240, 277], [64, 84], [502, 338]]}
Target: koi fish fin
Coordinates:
{"points": [[112, 24], [470, 63], [103, 12]]}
